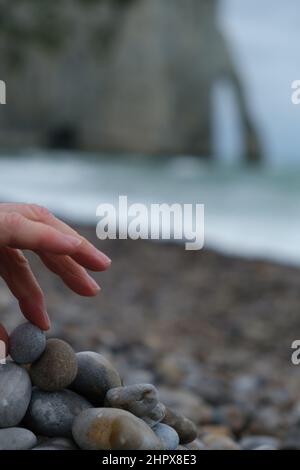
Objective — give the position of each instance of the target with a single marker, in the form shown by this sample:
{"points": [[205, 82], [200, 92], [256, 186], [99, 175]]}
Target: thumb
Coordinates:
{"points": [[3, 343]]}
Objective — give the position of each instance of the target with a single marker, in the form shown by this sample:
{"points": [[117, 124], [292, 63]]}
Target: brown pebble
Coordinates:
{"points": [[56, 368], [184, 427]]}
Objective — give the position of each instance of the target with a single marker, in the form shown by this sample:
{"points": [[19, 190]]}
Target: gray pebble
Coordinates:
{"points": [[141, 400], [52, 414], [57, 443], [167, 435], [56, 368], [95, 377], [113, 429], [26, 343], [252, 442], [15, 393], [197, 444], [17, 439]]}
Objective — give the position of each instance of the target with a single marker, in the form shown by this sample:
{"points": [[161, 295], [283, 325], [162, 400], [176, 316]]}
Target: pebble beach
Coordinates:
{"points": [[209, 335]]}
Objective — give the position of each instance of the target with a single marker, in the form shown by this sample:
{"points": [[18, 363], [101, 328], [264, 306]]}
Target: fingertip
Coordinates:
{"points": [[105, 259], [45, 323], [86, 290], [35, 313], [107, 263], [96, 263]]}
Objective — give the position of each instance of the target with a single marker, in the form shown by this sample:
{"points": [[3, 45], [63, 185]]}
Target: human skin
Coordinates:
{"points": [[61, 249]]}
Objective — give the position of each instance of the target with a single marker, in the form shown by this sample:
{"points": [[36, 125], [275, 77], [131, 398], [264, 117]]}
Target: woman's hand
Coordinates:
{"points": [[62, 250]]}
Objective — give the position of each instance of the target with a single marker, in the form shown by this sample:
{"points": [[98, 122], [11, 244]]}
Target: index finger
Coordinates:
{"points": [[86, 255], [16, 231]]}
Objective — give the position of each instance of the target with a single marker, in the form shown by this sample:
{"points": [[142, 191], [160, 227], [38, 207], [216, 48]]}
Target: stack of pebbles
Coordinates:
{"points": [[54, 399]]}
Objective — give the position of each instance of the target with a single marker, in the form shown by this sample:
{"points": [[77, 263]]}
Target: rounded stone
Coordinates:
{"points": [[252, 442], [184, 427], [17, 439], [15, 393], [56, 368], [95, 377], [141, 400], [113, 429], [56, 443], [167, 435], [52, 413], [26, 343]]}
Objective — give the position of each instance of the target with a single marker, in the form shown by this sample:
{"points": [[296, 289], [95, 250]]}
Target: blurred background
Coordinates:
{"points": [[169, 101], [112, 95]]}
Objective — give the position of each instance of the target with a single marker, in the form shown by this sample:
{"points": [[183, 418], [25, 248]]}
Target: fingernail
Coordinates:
{"points": [[101, 256], [94, 284], [46, 320], [74, 241]]}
